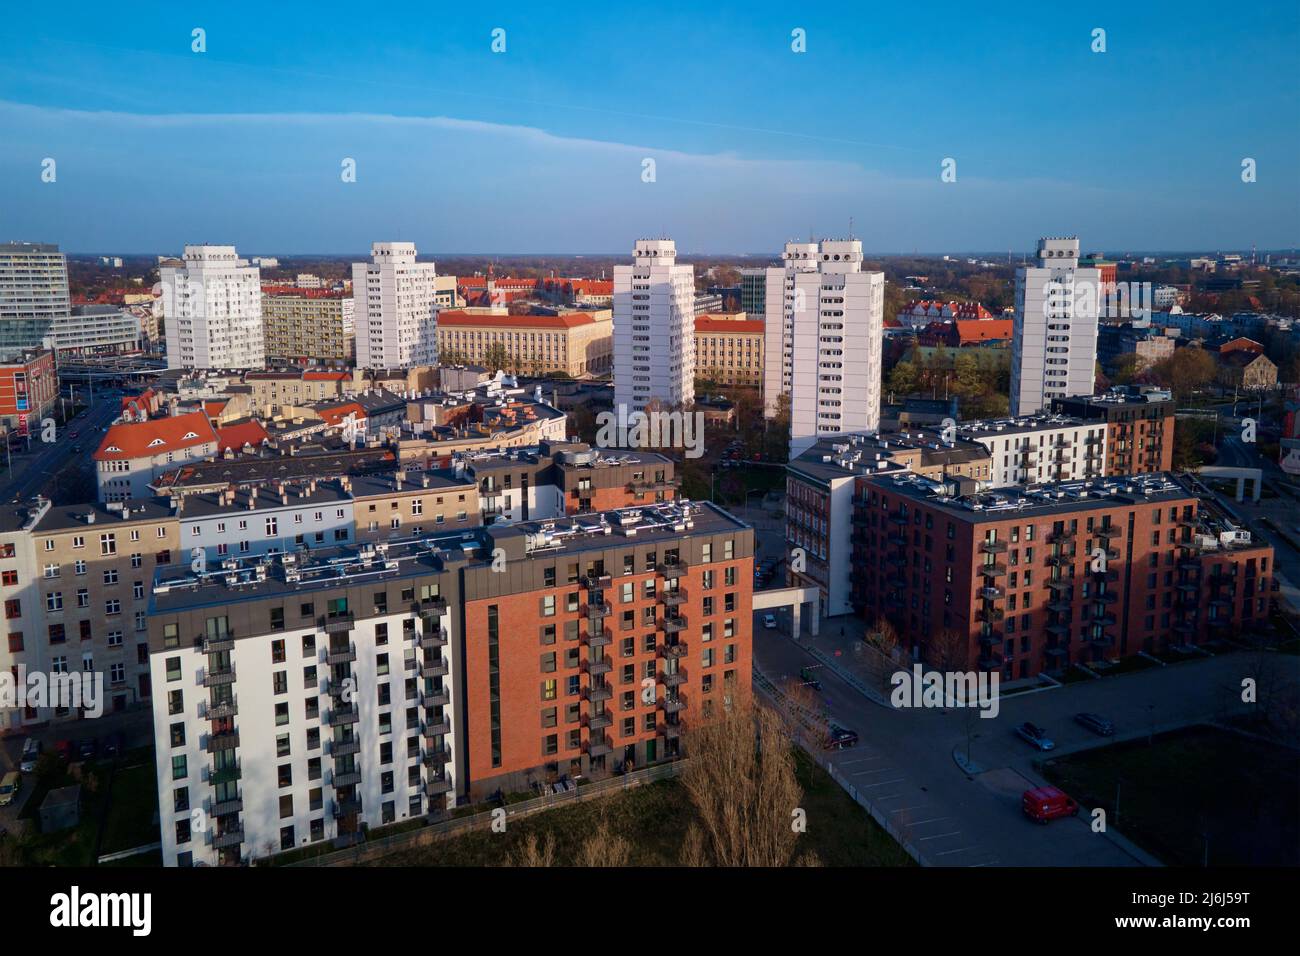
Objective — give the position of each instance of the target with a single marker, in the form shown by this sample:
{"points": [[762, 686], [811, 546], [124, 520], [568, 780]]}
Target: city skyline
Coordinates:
{"points": [[530, 151]]}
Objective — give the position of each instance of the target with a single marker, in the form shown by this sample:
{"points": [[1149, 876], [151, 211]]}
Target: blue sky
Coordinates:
{"points": [[541, 148]]}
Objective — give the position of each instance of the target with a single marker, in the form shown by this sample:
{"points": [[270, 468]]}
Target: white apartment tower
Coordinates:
{"points": [[213, 305], [836, 320], [778, 320], [654, 328], [1054, 345], [395, 313], [33, 294]]}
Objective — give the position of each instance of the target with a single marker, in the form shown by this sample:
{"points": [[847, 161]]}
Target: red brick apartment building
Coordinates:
{"points": [[1031, 581], [1139, 426], [602, 640]]}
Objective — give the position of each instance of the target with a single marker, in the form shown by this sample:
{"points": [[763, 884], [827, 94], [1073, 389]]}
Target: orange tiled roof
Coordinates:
{"points": [[569, 320], [241, 434], [155, 437], [709, 323], [983, 330]]}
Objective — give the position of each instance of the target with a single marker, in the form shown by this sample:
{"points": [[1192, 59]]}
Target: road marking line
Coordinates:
{"points": [[860, 773], [940, 836], [973, 846], [883, 783], [919, 806], [931, 820]]}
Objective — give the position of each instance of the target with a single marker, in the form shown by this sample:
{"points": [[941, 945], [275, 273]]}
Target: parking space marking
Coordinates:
{"points": [[940, 836], [883, 783]]}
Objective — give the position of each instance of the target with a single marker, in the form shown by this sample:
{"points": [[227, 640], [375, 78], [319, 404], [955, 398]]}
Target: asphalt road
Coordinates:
{"points": [[905, 764], [34, 469]]}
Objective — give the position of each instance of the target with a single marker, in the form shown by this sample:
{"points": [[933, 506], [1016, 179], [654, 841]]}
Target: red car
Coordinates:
{"points": [[1047, 803], [64, 749]]}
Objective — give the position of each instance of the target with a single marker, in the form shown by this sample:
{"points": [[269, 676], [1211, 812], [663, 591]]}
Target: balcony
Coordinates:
{"points": [[343, 748], [1101, 640], [671, 567], [349, 778], [438, 697], [230, 836], [435, 605], [598, 748], [1060, 584], [990, 614], [1105, 620], [600, 666], [223, 741], [673, 731], [436, 786], [435, 756], [217, 644], [674, 625], [1106, 597], [432, 639], [1060, 560], [1061, 628], [434, 667], [860, 518], [990, 662], [991, 593], [897, 517], [337, 623], [219, 711], [673, 705], [673, 678], [346, 807], [993, 547], [600, 692], [435, 728], [598, 638], [222, 808], [342, 716], [600, 721], [992, 570], [597, 581], [339, 654], [224, 774], [674, 650], [597, 610], [991, 639], [897, 540], [1107, 531], [674, 598], [219, 675]]}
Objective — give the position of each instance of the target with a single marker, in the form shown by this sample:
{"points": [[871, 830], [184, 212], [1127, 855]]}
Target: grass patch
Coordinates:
{"points": [[132, 804], [1192, 787], [653, 817]]}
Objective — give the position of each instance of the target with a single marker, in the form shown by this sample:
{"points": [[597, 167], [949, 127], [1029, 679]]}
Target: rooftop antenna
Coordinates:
{"points": [[850, 227]]}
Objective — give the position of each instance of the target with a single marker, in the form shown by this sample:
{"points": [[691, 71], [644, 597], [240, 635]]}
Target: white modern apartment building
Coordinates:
{"points": [[1034, 449], [778, 299], [33, 294], [837, 326], [299, 703], [213, 305], [395, 312], [654, 328], [1054, 347], [95, 330]]}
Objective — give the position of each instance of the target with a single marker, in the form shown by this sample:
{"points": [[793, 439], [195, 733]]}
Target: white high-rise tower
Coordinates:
{"points": [[654, 328], [836, 319], [394, 312], [33, 294], [213, 309], [778, 320], [1054, 341]]}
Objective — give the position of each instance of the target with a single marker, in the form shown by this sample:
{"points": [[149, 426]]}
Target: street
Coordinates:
{"points": [[905, 765], [34, 470]]}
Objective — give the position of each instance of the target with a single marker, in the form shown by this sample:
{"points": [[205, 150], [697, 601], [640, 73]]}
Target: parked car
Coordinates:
{"points": [[769, 621], [1035, 736], [838, 738], [88, 748], [1047, 803], [64, 749], [1096, 723], [31, 753], [114, 745], [9, 787]]}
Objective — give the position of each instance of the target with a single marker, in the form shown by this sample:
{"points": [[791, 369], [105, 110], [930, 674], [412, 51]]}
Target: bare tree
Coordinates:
{"points": [[740, 776], [604, 848], [533, 852]]}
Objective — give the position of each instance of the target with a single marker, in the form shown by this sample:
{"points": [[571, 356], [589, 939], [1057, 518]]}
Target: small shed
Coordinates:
{"points": [[61, 809]]}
